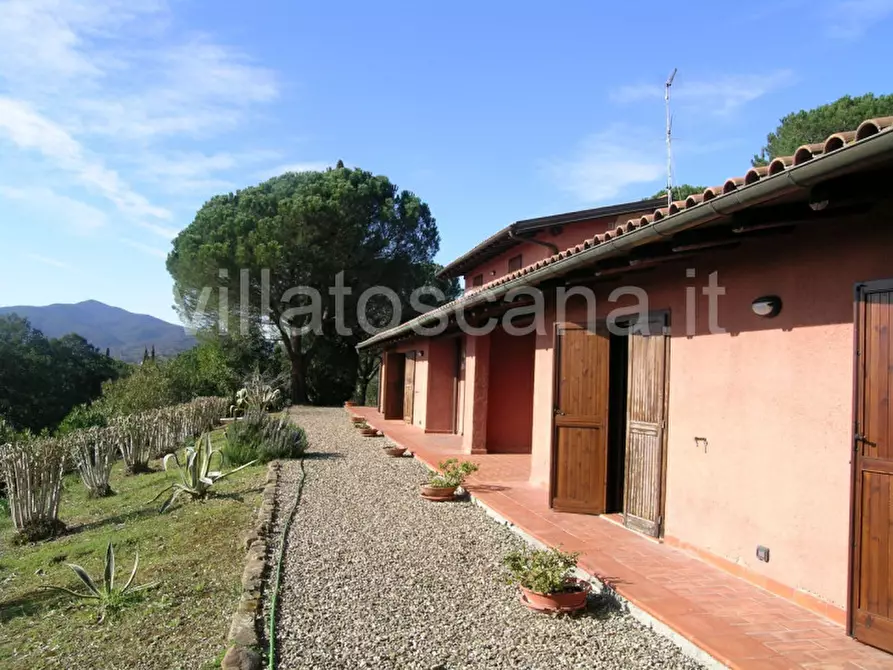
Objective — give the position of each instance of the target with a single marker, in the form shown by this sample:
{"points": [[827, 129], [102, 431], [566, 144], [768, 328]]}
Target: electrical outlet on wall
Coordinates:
{"points": [[763, 553]]}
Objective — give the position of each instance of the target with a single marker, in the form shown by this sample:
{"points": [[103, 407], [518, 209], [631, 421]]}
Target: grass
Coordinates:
{"points": [[194, 551]]}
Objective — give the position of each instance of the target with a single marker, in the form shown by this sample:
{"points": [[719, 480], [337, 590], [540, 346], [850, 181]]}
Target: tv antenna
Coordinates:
{"points": [[669, 138]]}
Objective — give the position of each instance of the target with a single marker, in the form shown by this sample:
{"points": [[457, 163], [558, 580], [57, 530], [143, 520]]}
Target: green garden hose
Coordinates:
{"points": [[277, 574]]}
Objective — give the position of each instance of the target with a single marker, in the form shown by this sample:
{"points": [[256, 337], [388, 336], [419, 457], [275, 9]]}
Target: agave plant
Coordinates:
{"points": [[196, 475], [258, 395], [107, 595]]}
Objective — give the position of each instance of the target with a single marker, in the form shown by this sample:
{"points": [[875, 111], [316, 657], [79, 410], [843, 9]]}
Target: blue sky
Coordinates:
{"points": [[119, 118]]}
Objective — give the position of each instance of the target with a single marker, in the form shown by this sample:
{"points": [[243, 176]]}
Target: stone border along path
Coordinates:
{"points": [[376, 577], [244, 649]]}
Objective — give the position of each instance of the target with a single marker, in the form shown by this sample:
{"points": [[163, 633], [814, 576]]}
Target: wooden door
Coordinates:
{"points": [[393, 385], [645, 427], [580, 440], [409, 387], [872, 589]]}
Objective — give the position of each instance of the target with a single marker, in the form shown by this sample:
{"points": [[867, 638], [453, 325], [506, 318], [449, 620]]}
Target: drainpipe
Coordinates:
{"points": [[549, 245], [865, 153]]}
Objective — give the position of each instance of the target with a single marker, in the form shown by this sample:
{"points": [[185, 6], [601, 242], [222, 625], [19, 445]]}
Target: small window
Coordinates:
{"points": [[515, 263], [477, 281]]}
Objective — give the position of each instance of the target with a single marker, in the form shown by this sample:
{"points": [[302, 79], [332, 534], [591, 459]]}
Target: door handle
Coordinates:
{"points": [[557, 412], [864, 440]]}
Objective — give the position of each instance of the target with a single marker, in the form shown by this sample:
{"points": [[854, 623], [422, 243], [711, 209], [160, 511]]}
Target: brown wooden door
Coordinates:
{"points": [[394, 375], [872, 588], [409, 387], [580, 442], [645, 428]]}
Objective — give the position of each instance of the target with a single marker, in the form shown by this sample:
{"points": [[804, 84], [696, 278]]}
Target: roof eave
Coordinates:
{"points": [[796, 178]]}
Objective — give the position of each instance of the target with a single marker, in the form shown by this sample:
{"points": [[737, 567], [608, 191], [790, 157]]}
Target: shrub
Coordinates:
{"points": [[94, 451], [159, 432], [81, 418], [263, 438], [147, 387], [540, 571], [32, 468]]}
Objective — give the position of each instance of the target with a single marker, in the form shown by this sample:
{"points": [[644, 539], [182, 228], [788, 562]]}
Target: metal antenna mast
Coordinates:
{"points": [[669, 138]]}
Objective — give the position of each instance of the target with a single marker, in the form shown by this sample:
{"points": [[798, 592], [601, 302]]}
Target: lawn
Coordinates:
{"points": [[194, 551]]}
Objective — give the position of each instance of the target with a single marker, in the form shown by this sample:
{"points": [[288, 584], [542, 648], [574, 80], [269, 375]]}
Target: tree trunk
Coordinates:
{"points": [[298, 376], [362, 389]]}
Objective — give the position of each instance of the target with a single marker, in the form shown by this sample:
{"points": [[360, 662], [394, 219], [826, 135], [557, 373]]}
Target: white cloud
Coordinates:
{"points": [[721, 96], [850, 19], [607, 163], [46, 260], [145, 248], [44, 203], [30, 131], [96, 91], [162, 231]]}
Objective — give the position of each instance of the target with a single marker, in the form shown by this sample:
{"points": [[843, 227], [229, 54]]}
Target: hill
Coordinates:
{"points": [[124, 333]]}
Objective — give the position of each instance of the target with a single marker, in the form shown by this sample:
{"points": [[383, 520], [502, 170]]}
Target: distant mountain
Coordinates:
{"points": [[125, 334]]}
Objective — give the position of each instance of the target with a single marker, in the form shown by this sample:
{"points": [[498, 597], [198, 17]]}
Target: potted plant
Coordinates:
{"points": [[369, 431], [357, 421], [442, 484], [546, 581], [395, 451]]}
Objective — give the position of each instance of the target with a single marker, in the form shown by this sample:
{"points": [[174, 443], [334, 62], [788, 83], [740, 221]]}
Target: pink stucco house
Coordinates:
{"points": [[717, 372]]}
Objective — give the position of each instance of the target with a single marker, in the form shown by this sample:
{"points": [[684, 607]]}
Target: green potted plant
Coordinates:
{"points": [[442, 484], [546, 581]]}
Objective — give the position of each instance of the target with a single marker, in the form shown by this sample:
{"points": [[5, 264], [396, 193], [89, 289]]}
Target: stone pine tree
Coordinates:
{"points": [[815, 125], [303, 229]]}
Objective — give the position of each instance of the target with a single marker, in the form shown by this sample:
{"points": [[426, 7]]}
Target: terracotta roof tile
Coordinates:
{"points": [[754, 175], [803, 154]]}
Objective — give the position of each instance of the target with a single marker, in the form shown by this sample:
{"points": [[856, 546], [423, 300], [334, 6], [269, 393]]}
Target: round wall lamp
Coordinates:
{"points": [[767, 306]]}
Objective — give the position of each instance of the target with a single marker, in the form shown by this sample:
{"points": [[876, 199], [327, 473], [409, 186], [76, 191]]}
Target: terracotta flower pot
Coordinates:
{"points": [[438, 493], [349, 403], [395, 452], [370, 432], [356, 420], [568, 601]]}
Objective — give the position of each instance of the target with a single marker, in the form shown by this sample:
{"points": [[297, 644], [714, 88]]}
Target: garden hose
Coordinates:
{"points": [[277, 573]]}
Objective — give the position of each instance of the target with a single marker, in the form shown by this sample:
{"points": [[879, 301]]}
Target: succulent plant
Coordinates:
{"points": [[196, 476], [108, 596]]}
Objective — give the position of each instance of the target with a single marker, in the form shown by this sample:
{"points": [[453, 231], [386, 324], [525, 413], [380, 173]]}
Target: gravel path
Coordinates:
{"points": [[376, 577]]}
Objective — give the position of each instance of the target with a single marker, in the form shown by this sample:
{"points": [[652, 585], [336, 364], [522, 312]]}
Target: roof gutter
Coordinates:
{"points": [[797, 178]]}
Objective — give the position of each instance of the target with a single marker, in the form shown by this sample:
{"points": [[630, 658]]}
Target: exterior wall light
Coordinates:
{"points": [[767, 306]]}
